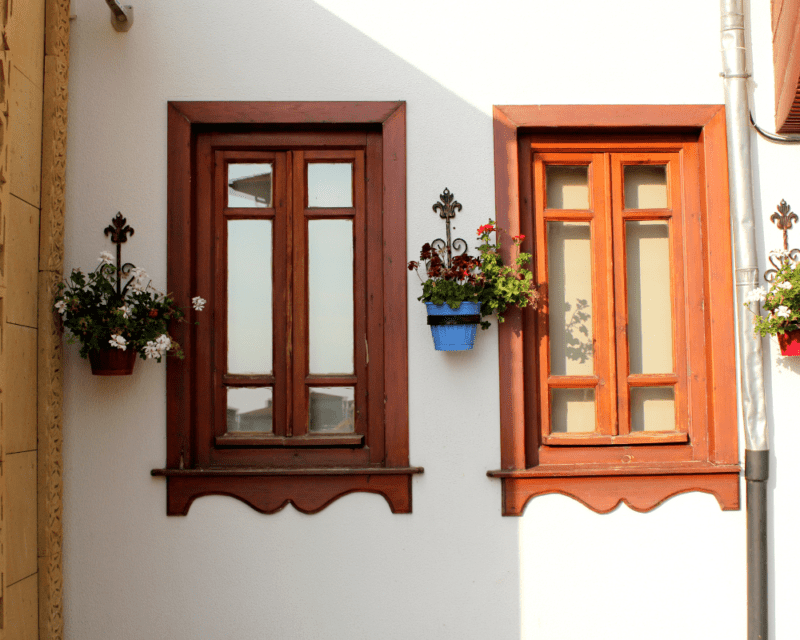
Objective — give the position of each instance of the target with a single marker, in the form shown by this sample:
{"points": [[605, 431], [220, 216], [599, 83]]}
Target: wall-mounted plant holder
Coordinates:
{"points": [[452, 329], [784, 219], [114, 321]]}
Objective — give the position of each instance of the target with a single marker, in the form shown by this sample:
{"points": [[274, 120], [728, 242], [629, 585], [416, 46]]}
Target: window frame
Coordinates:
{"points": [[602, 476], [263, 472]]}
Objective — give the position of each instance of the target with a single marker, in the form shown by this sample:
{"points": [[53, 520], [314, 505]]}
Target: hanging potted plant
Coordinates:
{"points": [[781, 302], [461, 290], [114, 322]]}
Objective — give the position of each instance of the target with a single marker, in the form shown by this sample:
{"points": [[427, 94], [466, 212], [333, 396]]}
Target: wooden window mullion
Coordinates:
{"points": [[359, 297], [620, 297], [603, 305], [281, 293], [298, 306]]}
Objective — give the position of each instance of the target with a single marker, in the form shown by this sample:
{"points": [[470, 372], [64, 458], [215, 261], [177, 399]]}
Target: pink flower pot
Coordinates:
{"points": [[790, 343]]}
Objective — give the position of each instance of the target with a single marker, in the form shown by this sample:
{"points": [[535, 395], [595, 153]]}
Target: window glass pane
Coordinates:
{"points": [[652, 409], [330, 296], [250, 185], [249, 409], [569, 265], [567, 187], [331, 409], [646, 186], [572, 410], [250, 296], [330, 184], [649, 296]]}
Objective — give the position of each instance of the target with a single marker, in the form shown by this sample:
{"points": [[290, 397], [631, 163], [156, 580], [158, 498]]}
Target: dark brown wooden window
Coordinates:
{"points": [[621, 385], [294, 386]]}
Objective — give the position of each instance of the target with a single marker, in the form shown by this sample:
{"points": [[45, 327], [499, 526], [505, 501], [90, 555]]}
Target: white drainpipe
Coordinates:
{"points": [[751, 364]]}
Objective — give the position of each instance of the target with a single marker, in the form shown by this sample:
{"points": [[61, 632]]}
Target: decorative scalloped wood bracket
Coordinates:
{"points": [[309, 490], [604, 493]]}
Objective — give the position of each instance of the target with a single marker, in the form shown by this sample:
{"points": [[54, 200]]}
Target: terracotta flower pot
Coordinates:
{"points": [[790, 343], [112, 362]]}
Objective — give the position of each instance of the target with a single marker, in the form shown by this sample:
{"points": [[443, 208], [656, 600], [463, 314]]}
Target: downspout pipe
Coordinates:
{"points": [[751, 363]]}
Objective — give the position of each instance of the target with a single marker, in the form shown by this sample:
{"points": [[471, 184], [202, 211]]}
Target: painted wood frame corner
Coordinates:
{"points": [[268, 490], [601, 489]]}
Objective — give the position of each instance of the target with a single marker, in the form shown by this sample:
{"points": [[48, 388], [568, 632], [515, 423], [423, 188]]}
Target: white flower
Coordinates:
{"points": [[139, 279], [118, 342], [756, 295], [151, 350], [126, 311], [779, 253], [156, 349], [198, 303], [106, 258], [61, 307], [783, 311], [784, 285]]}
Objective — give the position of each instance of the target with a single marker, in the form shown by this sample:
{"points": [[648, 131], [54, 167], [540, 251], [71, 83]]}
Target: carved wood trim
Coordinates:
{"points": [[4, 204], [269, 493], [604, 493], [50, 366]]}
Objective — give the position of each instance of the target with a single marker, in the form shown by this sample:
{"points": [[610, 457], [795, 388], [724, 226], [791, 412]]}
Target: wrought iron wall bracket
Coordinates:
{"points": [[784, 218], [119, 229], [447, 210]]}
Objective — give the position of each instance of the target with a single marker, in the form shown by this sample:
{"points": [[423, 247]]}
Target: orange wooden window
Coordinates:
{"points": [[288, 223], [621, 384]]}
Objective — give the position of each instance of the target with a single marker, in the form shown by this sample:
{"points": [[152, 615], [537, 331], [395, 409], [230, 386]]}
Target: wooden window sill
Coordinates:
{"points": [[269, 490], [602, 487]]}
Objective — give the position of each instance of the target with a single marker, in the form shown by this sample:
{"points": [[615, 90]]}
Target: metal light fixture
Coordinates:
{"points": [[121, 15]]}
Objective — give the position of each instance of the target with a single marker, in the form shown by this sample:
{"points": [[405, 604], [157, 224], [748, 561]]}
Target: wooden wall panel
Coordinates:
{"points": [[25, 137], [25, 38], [21, 610], [20, 507], [22, 263], [19, 390]]}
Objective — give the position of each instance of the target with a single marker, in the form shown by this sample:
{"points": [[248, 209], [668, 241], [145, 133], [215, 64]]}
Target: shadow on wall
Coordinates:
{"points": [[424, 575]]}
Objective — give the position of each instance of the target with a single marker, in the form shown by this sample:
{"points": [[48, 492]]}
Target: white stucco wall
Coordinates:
{"points": [[454, 568]]}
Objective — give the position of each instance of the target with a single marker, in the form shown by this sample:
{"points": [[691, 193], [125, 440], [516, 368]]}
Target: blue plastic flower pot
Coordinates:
{"points": [[453, 329]]}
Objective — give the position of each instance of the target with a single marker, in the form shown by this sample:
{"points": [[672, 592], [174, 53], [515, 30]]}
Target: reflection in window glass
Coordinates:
{"points": [[250, 185], [569, 266], [646, 186], [249, 409], [331, 409], [567, 187], [572, 411], [652, 409], [250, 296], [649, 296], [330, 296], [330, 184]]}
